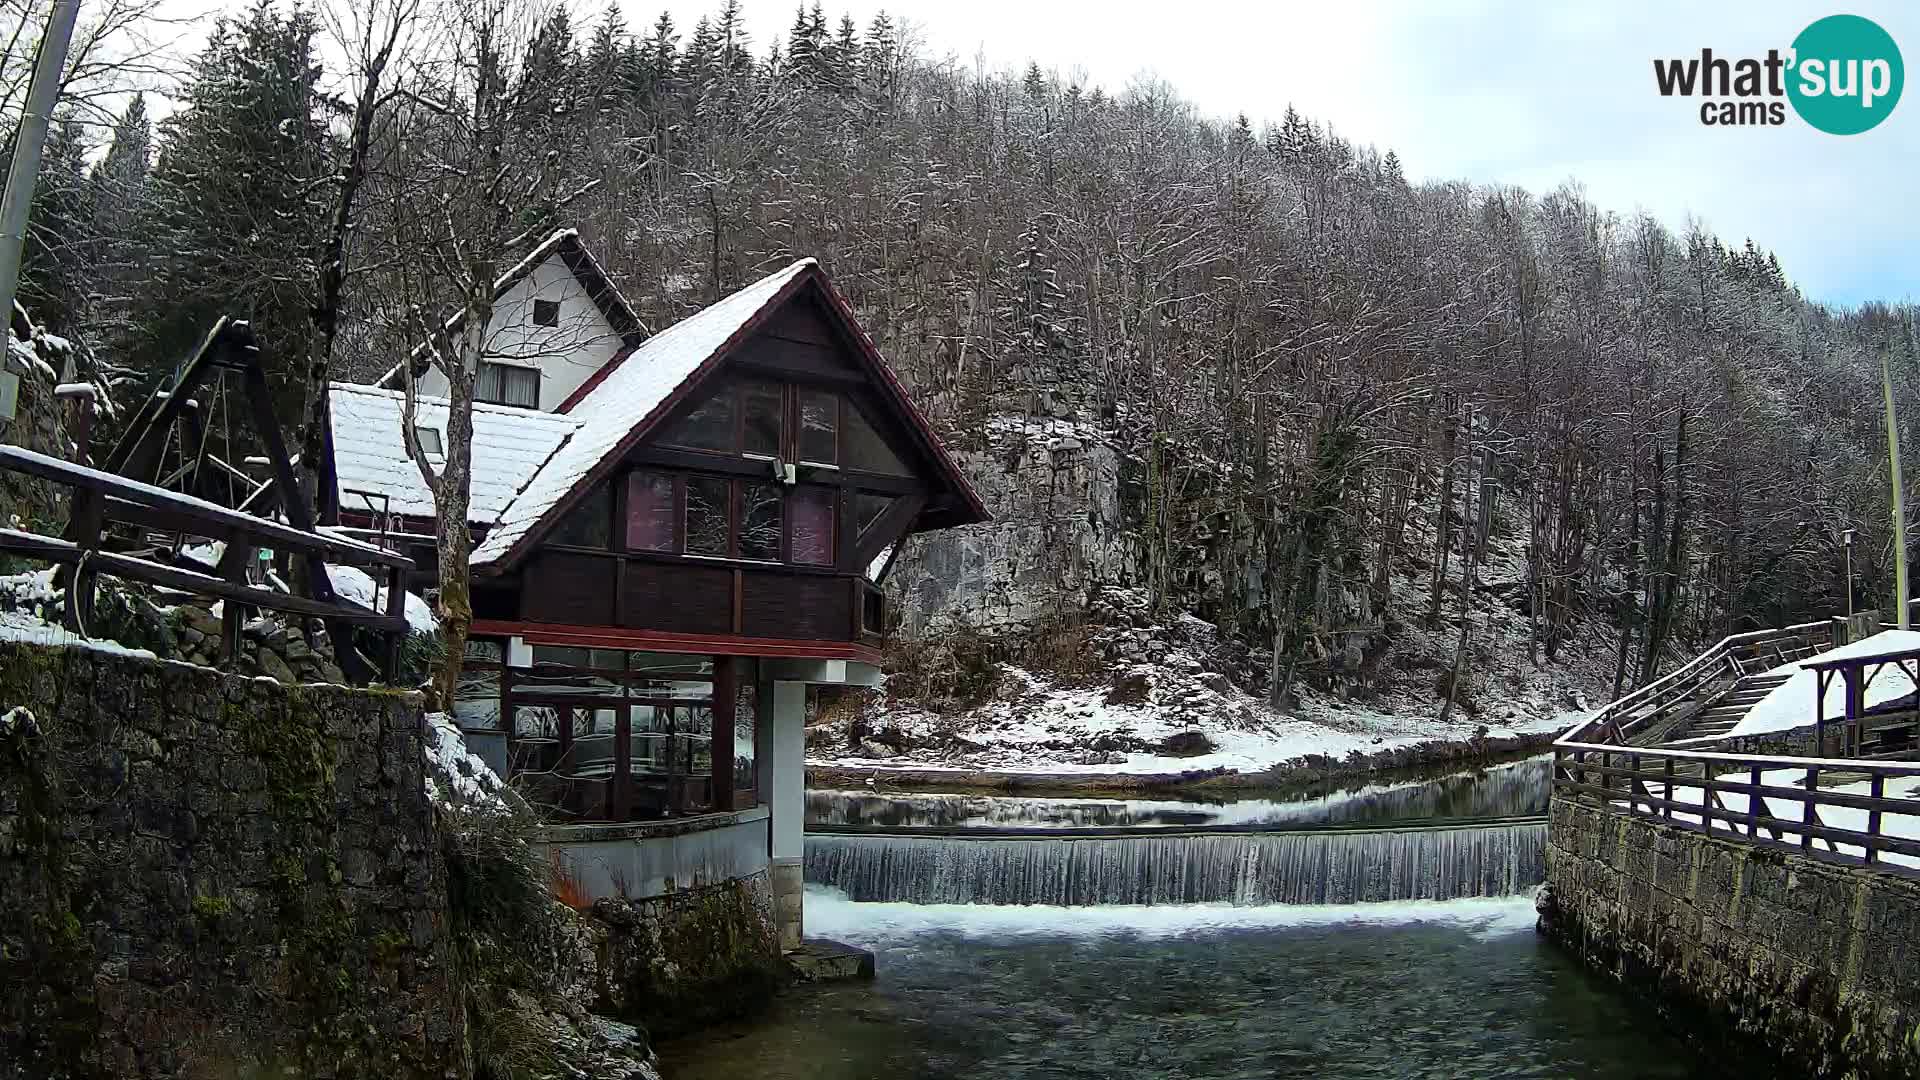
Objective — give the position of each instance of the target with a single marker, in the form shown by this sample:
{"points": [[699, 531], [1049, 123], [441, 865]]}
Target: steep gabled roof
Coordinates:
{"points": [[634, 392], [585, 268], [509, 446]]}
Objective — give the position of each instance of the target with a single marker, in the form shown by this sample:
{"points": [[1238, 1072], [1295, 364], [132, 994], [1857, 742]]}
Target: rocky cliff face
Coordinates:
{"points": [[1063, 593], [1058, 533]]}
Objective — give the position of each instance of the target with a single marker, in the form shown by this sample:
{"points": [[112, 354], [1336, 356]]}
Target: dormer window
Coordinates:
{"points": [[430, 442], [507, 384], [546, 313]]}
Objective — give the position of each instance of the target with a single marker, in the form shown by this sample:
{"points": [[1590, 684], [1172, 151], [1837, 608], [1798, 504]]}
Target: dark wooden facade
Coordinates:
{"points": [[744, 522]]}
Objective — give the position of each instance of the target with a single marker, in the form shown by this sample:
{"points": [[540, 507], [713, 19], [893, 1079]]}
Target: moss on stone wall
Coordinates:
{"points": [[690, 958], [213, 876]]}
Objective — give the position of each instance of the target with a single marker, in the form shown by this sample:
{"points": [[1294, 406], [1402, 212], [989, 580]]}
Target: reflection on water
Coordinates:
{"points": [[1515, 788], [1458, 989]]}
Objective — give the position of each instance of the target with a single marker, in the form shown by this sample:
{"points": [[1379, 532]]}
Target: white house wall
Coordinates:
{"points": [[566, 354]]}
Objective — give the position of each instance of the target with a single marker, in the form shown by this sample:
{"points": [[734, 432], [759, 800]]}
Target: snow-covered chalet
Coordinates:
{"points": [[675, 533]]}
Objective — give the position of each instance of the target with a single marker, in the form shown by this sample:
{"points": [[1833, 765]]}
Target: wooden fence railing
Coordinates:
{"points": [[102, 499], [1867, 811]]}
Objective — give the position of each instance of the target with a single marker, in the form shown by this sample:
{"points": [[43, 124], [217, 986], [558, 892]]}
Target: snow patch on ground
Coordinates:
{"points": [[1038, 726], [30, 612], [1791, 704], [355, 584], [18, 718]]}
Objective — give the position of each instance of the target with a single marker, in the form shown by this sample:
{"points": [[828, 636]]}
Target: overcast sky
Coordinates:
{"points": [[1500, 91]]}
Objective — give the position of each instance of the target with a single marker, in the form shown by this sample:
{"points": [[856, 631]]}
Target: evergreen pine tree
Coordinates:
{"points": [[803, 49], [607, 53], [659, 55], [843, 56], [236, 199], [700, 64]]}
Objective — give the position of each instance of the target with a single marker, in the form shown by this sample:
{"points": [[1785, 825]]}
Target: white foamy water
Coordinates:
{"points": [[830, 914]]}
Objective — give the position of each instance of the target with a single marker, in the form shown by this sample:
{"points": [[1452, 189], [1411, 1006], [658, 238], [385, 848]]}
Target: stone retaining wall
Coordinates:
{"points": [[692, 957], [1760, 949], [213, 876]]}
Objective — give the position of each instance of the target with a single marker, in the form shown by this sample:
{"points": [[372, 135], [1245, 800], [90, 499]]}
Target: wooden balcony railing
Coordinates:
{"points": [[1832, 808], [102, 500]]}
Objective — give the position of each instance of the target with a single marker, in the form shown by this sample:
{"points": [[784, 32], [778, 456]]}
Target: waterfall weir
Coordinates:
{"points": [[1425, 861]]}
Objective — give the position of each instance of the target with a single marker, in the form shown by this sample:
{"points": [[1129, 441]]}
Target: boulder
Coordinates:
{"points": [[1189, 743]]}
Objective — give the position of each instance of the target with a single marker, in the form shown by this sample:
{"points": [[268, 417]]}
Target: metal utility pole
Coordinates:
{"points": [[1846, 541], [1899, 496], [23, 173]]}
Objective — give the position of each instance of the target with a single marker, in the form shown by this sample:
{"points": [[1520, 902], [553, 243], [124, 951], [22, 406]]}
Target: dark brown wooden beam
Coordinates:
{"points": [[124, 493], [889, 528], [153, 573], [615, 637]]}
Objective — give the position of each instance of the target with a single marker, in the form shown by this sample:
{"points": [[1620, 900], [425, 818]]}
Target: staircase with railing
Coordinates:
{"points": [[1656, 753]]}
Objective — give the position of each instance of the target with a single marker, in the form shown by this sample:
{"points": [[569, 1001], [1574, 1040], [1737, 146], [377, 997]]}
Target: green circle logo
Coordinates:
{"points": [[1846, 75]]}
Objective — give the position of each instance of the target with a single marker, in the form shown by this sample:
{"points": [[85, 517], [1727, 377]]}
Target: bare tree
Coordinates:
{"points": [[468, 198]]}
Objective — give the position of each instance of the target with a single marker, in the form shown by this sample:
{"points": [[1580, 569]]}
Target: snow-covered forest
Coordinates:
{"points": [[1239, 368]]}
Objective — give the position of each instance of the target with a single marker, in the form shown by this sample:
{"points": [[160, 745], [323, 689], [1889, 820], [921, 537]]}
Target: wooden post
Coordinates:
{"points": [[1633, 785], [1820, 681], [389, 640], [721, 743], [1667, 810], [620, 793], [1878, 791], [1753, 804], [1807, 817], [507, 710]]}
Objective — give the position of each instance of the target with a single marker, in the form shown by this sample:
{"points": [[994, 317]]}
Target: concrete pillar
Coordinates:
{"points": [[787, 805]]}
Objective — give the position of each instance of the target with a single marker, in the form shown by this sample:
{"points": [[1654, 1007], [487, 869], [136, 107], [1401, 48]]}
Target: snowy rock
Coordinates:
{"points": [[873, 748]]}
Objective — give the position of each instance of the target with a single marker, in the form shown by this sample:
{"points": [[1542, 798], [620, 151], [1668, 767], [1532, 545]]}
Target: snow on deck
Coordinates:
{"points": [[509, 446], [1903, 826], [1790, 705], [626, 398]]}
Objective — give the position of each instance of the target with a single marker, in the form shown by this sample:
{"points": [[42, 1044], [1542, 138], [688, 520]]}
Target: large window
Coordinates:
{"points": [[650, 511], [811, 509], [759, 520], [588, 523], [708, 530], [731, 518], [819, 426], [610, 734], [866, 451], [807, 425], [507, 384]]}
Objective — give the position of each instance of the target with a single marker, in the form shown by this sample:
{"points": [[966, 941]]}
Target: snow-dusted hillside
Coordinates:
{"points": [[1073, 671]]}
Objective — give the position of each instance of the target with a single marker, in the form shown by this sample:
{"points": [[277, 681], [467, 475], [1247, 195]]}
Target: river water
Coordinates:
{"points": [[1074, 957], [1450, 989], [1505, 790]]}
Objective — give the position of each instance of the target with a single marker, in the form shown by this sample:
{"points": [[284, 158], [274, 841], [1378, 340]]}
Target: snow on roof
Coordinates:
{"points": [[509, 446], [625, 399], [1790, 705]]}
